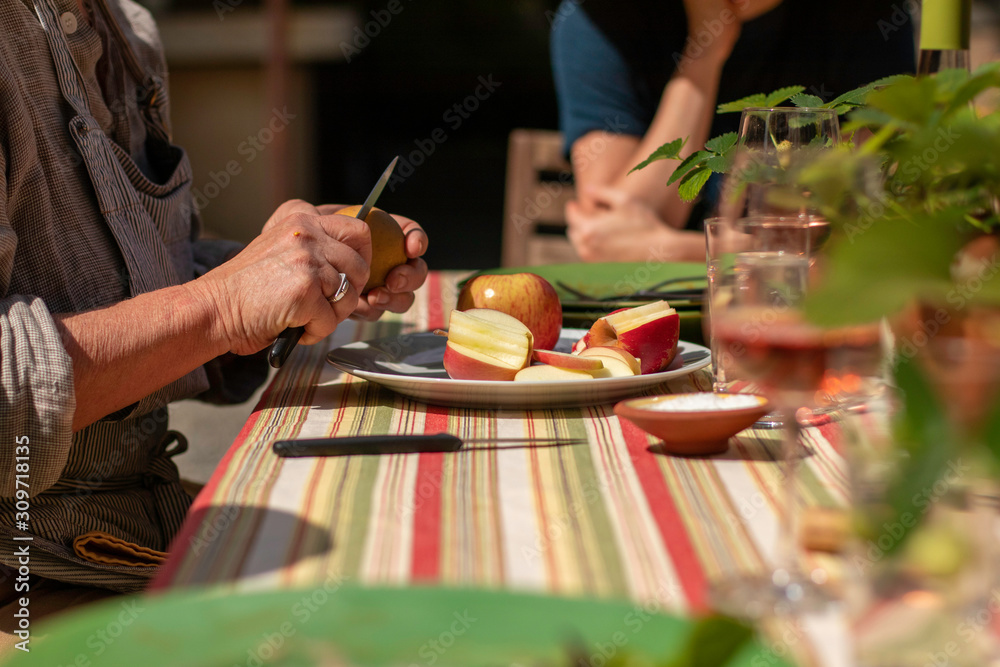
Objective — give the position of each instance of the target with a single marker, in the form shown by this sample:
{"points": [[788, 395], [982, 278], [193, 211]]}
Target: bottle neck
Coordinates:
{"points": [[945, 25], [931, 61]]}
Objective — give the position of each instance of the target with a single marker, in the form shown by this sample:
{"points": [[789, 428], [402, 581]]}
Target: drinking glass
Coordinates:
{"points": [[767, 141], [761, 333]]}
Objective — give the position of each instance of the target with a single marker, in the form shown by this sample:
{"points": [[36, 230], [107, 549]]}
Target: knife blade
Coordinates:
{"points": [[395, 444], [287, 339]]}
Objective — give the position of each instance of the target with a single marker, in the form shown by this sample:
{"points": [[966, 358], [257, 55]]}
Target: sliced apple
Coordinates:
{"points": [[547, 373], [486, 344], [648, 332], [570, 361], [618, 361]]}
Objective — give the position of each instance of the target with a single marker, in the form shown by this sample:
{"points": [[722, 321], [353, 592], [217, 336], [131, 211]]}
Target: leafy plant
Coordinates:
{"points": [[694, 171]]}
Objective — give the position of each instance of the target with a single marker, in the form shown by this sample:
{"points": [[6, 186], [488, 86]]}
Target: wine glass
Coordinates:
{"points": [[767, 142], [763, 335]]}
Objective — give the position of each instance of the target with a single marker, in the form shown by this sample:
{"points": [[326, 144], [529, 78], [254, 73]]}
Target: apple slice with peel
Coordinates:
{"points": [[547, 373], [616, 360], [648, 332], [570, 361], [486, 344]]}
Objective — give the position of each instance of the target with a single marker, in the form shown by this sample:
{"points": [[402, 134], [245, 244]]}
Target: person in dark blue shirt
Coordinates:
{"points": [[632, 75]]}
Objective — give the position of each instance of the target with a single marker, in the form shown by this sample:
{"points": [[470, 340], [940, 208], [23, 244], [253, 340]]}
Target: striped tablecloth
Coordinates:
{"points": [[608, 518]]}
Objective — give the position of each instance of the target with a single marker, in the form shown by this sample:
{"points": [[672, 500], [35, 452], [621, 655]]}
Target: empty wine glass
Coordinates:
{"points": [[767, 141]]}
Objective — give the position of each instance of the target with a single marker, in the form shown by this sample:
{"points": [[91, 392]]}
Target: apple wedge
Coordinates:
{"points": [[570, 361], [547, 373], [648, 332], [616, 360], [486, 344]]}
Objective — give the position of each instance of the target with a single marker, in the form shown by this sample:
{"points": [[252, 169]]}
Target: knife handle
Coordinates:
{"points": [[283, 345], [368, 444]]}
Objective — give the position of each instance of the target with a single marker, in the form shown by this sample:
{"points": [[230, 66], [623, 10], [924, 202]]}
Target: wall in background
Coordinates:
{"points": [[440, 84]]}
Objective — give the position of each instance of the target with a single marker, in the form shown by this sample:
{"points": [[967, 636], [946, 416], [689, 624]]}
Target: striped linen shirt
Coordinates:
{"points": [[95, 207]]}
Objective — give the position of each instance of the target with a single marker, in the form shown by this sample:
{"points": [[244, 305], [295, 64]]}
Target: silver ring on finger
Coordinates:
{"points": [[342, 290]]}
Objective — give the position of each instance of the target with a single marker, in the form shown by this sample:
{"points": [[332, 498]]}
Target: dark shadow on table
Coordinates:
{"points": [[755, 451], [219, 524]]}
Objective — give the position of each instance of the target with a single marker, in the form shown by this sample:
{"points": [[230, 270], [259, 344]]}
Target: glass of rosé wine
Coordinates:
{"points": [[760, 332]]}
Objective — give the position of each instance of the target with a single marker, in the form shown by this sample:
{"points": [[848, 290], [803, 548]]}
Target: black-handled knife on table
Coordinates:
{"points": [[396, 444], [287, 339]]}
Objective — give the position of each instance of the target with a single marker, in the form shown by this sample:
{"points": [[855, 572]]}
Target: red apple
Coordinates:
{"points": [[618, 361], [486, 344], [526, 296], [648, 332], [563, 360]]}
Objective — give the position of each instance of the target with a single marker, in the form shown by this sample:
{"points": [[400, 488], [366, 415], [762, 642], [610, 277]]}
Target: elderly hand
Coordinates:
{"points": [[287, 276], [397, 294]]}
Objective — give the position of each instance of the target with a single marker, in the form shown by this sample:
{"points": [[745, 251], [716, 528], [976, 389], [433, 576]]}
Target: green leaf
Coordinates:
{"points": [[921, 430], [781, 95], [721, 143], [737, 106], [714, 641], [991, 433], [690, 162], [693, 182], [720, 164], [890, 80], [880, 264], [910, 101], [803, 100], [668, 151]]}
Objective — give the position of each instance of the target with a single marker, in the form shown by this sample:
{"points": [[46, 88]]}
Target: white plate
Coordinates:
{"points": [[412, 365]]}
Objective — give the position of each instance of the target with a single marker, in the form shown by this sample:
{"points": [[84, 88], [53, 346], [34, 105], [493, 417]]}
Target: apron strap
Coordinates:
{"points": [[149, 266]]}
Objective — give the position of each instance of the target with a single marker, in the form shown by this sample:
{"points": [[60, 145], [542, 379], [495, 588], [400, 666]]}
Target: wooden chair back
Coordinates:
{"points": [[539, 183]]}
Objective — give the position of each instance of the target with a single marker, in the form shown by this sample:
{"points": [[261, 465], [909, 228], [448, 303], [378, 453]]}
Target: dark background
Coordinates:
{"points": [[426, 60]]}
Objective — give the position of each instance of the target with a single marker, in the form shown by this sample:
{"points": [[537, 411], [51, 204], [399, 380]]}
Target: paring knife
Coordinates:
{"points": [[395, 444], [286, 340]]}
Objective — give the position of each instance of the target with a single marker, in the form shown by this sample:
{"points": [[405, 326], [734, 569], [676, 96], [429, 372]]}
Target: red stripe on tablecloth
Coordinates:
{"points": [[202, 502], [435, 302], [427, 503], [833, 434], [668, 519]]}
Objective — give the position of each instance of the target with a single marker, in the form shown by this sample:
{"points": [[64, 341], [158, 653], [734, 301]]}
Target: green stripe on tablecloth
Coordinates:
{"points": [[608, 558]]}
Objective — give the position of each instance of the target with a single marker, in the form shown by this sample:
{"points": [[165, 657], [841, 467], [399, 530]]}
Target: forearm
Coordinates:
{"points": [[129, 350], [686, 110]]}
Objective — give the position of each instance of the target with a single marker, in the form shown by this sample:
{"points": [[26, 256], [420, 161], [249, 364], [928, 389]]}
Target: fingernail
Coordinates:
{"points": [[381, 297], [397, 283]]}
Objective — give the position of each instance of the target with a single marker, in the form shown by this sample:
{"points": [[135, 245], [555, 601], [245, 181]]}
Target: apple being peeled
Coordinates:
{"points": [[648, 332], [486, 344], [525, 296]]}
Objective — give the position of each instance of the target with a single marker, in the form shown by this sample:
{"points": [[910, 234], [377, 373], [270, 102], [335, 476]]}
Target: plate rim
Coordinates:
{"points": [[428, 381]]}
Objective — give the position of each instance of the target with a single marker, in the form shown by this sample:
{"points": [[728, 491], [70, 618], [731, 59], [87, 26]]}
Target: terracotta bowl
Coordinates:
{"points": [[692, 432]]}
